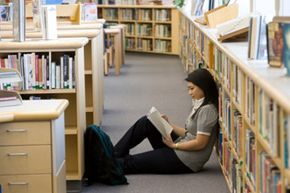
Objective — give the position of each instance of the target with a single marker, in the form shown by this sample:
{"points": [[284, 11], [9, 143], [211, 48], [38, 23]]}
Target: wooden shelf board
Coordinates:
{"points": [[48, 91], [72, 175], [225, 176], [89, 109], [144, 21], [128, 21], [163, 22], [144, 37], [88, 72], [237, 106], [162, 38], [267, 149], [130, 36], [70, 130], [252, 127], [249, 183]]}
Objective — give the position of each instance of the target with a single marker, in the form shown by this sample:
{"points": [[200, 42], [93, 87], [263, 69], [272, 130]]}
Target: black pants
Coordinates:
{"points": [[160, 160]]}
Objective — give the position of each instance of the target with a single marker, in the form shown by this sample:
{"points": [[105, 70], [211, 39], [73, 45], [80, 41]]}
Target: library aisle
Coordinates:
{"points": [[153, 80]]}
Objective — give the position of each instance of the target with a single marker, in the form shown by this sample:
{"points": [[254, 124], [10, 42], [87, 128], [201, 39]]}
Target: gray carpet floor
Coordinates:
{"points": [[145, 81]]}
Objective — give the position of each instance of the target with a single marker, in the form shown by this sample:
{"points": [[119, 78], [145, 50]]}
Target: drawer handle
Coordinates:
{"points": [[17, 154], [16, 130], [17, 183]]}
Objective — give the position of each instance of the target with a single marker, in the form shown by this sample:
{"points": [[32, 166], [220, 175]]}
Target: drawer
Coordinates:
{"points": [[25, 133], [26, 183], [25, 159]]}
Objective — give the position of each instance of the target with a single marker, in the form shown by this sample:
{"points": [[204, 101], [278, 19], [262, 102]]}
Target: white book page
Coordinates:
{"points": [[161, 124]]}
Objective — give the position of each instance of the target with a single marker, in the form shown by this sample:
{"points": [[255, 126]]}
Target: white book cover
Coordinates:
{"points": [[161, 124], [89, 12], [57, 77], [44, 68], [61, 72], [50, 23], [70, 72], [53, 65]]}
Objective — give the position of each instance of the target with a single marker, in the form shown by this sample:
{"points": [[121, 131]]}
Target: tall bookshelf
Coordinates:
{"points": [[149, 28], [23, 56], [254, 110]]}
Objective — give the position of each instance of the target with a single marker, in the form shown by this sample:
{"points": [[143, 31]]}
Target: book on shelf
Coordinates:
{"points": [[9, 98], [203, 19], [274, 43], [286, 47], [9, 75], [89, 12], [278, 42], [257, 48], [197, 7], [6, 12], [49, 22], [160, 123], [235, 29]]}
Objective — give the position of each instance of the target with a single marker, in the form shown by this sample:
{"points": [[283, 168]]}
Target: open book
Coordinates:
{"points": [[161, 124], [234, 28]]}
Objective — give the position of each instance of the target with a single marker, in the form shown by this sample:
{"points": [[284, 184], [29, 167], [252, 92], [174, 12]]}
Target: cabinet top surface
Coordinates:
{"points": [[7, 45], [33, 110], [90, 33]]}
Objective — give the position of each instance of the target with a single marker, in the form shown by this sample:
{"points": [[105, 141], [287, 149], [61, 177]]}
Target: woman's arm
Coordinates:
{"points": [[180, 131], [198, 143]]}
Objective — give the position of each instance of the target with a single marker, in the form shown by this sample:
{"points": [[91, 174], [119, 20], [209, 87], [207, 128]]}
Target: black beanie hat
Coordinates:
{"points": [[201, 78]]}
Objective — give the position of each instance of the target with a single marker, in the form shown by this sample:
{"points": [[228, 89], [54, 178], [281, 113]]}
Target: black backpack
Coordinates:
{"points": [[100, 163]]}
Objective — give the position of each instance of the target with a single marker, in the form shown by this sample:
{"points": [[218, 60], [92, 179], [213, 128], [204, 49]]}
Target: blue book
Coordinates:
{"points": [[286, 47]]}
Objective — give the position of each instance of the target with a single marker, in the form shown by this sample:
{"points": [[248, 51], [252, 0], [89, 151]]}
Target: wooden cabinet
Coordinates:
{"points": [[32, 147], [31, 56], [148, 28]]}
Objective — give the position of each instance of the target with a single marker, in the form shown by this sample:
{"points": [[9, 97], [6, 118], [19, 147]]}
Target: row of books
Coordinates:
{"points": [[269, 121], [223, 68], [232, 77], [39, 72], [162, 15], [117, 2], [162, 46], [130, 29], [251, 157], [130, 43], [144, 29], [163, 30], [144, 44], [233, 169]]}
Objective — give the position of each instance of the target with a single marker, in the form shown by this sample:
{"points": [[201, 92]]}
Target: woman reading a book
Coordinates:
{"points": [[187, 148]]}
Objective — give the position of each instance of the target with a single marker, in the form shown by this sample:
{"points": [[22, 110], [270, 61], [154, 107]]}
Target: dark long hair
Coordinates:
{"points": [[204, 80]]}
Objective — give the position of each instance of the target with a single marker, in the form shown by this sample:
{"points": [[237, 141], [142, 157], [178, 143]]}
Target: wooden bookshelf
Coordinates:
{"points": [[149, 28], [75, 114], [254, 109], [93, 63]]}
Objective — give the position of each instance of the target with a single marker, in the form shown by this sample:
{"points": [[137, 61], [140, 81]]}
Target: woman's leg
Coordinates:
{"points": [[158, 161], [142, 129]]}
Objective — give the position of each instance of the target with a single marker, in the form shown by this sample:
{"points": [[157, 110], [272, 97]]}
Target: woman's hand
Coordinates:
{"points": [[165, 117], [169, 142]]}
